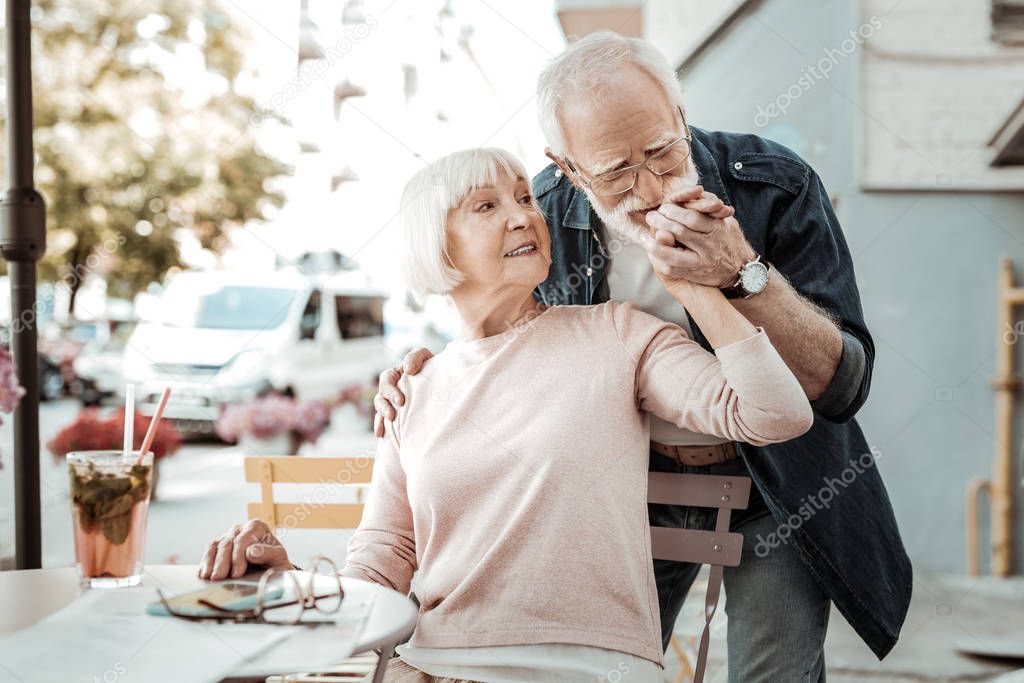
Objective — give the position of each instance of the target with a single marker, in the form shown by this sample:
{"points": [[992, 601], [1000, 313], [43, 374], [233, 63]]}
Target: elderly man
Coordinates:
{"points": [[619, 199]]}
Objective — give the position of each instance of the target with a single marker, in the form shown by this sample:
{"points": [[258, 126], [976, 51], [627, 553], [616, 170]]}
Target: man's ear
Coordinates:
{"points": [[562, 166]]}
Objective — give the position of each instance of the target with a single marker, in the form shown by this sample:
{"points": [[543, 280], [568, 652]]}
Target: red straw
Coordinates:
{"points": [[151, 432]]}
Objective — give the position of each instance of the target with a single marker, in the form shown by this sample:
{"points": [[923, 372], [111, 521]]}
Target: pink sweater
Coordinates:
{"points": [[514, 480]]}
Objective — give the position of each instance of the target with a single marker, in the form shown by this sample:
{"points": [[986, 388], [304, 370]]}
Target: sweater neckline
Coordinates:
{"points": [[500, 339]]}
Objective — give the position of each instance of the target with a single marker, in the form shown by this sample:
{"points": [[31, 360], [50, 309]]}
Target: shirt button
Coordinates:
{"points": [[558, 173], [738, 165], [590, 271]]}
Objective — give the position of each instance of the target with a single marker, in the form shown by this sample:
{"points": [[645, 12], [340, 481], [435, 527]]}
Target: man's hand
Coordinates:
{"points": [[705, 202], [240, 548], [389, 397], [713, 245], [686, 292]]}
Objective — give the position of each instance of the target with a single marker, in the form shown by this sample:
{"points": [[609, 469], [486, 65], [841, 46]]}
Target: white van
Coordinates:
{"points": [[218, 338]]}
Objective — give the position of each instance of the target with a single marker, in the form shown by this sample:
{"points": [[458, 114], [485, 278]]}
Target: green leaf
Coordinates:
{"points": [[118, 506], [116, 528]]}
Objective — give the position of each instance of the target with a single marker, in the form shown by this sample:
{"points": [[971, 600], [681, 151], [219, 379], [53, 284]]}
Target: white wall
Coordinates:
{"points": [[925, 260]]}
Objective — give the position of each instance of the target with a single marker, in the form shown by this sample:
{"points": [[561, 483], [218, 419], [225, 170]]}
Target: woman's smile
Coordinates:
{"points": [[528, 249]]}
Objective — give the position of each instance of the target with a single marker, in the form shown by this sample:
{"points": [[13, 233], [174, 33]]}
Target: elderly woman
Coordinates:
{"points": [[513, 482]]}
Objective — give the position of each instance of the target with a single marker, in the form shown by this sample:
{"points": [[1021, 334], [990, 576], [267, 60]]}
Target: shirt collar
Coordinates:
{"points": [[707, 167], [577, 214]]}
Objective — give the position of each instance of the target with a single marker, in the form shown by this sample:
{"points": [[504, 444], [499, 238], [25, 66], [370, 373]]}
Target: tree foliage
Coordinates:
{"points": [[141, 130]]}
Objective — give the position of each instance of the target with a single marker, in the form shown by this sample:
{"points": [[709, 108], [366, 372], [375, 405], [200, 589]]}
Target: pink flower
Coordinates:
{"points": [[271, 415], [310, 419], [232, 422], [10, 390]]}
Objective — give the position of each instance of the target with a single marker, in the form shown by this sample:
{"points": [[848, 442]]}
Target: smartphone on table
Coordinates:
{"points": [[231, 595]]}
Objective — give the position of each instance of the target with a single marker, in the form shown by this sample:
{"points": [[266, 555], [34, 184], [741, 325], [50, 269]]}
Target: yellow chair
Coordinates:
{"points": [[289, 469]]}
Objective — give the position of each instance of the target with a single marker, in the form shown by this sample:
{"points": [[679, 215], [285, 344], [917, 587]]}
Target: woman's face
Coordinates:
{"points": [[497, 238]]}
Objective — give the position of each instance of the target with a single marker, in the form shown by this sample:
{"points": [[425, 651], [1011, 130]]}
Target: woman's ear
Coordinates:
{"points": [[563, 166]]}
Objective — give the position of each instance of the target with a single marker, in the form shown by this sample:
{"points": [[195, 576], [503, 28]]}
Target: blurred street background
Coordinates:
{"points": [[222, 183]]}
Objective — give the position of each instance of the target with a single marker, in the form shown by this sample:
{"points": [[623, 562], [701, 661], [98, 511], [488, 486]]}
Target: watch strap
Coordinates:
{"points": [[737, 290]]}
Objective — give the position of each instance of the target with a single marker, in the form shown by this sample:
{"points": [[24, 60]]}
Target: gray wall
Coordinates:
{"points": [[926, 264]]}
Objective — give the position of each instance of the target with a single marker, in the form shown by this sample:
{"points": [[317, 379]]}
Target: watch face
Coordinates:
{"points": [[754, 277]]}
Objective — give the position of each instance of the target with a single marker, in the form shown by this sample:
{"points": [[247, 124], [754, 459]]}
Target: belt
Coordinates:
{"points": [[698, 455]]}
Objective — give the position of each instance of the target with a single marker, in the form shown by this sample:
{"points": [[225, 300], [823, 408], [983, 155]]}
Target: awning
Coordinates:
{"points": [[1009, 140]]}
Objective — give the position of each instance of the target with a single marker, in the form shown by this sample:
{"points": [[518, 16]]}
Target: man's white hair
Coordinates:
{"points": [[583, 69], [426, 201]]}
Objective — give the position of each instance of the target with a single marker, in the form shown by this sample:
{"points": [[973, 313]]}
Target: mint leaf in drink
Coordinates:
{"points": [[113, 508], [106, 500], [116, 528], [140, 481]]}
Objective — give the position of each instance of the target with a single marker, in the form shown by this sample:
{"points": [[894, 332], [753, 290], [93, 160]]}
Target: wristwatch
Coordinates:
{"points": [[752, 279]]}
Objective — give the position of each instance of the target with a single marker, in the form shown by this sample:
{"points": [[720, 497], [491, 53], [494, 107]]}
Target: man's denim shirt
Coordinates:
{"points": [[822, 488]]}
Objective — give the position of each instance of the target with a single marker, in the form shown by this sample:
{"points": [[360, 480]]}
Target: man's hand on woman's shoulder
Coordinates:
{"points": [[389, 397]]}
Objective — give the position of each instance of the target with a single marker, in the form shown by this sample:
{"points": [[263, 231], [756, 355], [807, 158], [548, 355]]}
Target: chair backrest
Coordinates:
{"points": [[290, 469], [719, 548], [698, 490]]}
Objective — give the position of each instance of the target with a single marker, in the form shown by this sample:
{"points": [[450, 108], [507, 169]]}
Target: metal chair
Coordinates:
{"points": [[290, 469], [719, 548]]}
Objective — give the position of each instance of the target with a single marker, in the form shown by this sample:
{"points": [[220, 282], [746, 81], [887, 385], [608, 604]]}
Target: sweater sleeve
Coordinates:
{"points": [[383, 548], [743, 392]]}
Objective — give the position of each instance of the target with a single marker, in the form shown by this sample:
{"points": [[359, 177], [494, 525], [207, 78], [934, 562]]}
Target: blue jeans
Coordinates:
{"points": [[777, 613]]}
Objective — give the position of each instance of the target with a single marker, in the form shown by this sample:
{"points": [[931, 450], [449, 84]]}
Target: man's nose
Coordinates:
{"points": [[648, 186]]}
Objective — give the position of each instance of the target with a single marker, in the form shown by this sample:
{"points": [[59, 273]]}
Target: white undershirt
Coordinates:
{"points": [[554, 662], [631, 278]]}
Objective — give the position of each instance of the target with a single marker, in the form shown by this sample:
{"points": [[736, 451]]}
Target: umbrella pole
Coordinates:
{"points": [[22, 242]]}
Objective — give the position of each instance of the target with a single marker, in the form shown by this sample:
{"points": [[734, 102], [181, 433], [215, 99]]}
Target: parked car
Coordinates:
{"points": [[99, 366], [59, 344], [218, 338], [51, 379]]}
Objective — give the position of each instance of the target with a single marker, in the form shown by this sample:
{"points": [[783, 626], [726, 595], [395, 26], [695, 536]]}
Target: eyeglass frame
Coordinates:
{"points": [[308, 599], [635, 168]]}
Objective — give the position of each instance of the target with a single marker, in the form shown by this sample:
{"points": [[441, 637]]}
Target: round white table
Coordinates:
{"points": [[30, 595]]}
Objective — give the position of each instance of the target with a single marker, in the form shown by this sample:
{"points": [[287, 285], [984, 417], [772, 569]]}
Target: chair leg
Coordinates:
{"points": [[685, 670], [382, 662]]}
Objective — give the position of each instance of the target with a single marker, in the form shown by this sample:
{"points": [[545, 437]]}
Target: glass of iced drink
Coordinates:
{"points": [[109, 502]]}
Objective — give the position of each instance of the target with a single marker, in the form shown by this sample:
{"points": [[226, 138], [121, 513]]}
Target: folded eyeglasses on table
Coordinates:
{"points": [[306, 599]]}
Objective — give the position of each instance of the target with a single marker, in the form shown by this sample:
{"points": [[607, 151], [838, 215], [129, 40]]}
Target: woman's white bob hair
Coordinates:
{"points": [[428, 198]]}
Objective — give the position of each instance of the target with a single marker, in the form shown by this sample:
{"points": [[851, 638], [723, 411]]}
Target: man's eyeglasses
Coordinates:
{"points": [[622, 180], [281, 612]]}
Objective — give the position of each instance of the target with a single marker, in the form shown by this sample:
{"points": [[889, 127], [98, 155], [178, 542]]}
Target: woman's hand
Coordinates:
{"points": [[682, 290], [715, 247], [242, 547], [718, 319]]}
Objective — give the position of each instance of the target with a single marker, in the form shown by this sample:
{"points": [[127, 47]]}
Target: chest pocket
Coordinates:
{"points": [[782, 171]]}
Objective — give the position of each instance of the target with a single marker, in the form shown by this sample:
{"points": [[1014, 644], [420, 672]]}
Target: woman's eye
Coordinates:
{"points": [[526, 199], [486, 206]]}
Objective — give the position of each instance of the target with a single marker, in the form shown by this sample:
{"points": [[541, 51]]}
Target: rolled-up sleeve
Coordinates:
{"points": [[841, 394]]}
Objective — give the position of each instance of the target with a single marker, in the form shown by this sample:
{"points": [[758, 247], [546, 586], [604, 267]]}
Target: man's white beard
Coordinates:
{"points": [[618, 219]]}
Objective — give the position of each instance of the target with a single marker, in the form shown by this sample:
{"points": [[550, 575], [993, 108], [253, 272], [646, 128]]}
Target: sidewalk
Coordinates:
{"points": [[946, 612]]}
